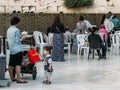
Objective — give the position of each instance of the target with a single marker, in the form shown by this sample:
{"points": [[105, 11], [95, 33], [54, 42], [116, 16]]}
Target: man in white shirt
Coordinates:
{"points": [[109, 27], [83, 25]]}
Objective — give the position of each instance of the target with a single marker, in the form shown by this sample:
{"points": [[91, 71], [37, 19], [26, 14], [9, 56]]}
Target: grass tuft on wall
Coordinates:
{"points": [[78, 3]]}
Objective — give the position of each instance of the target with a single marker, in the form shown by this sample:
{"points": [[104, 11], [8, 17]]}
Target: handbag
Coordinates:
{"points": [[60, 32], [33, 56]]}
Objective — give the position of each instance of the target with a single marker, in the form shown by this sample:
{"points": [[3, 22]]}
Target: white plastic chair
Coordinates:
{"points": [[102, 35], [81, 43], [45, 37], [67, 42], [38, 37], [1, 38], [50, 38], [115, 43], [117, 32]]}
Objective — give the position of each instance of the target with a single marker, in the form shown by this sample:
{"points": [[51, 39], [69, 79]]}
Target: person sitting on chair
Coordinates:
{"points": [[96, 43], [104, 31]]}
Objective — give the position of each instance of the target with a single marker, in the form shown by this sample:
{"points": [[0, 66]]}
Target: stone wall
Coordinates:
{"points": [[40, 22], [56, 6]]}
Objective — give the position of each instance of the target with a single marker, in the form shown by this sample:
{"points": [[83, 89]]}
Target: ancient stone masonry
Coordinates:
{"points": [[56, 6], [40, 22]]}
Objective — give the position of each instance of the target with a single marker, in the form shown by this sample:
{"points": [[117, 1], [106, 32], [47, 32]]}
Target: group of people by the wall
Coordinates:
{"points": [[109, 24]]}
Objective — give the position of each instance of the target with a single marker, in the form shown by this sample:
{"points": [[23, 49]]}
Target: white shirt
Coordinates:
{"points": [[88, 24], [50, 59], [68, 35], [108, 25]]}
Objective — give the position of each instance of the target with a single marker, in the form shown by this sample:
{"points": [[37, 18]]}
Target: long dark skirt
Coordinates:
{"points": [[58, 47]]}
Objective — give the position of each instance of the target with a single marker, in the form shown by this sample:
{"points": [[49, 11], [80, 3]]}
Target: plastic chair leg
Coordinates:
{"points": [[87, 51], [81, 50], [93, 53], [41, 51], [78, 50], [68, 49], [88, 56]]}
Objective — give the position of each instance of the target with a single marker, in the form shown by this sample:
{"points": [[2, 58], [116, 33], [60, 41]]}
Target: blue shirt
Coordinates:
{"points": [[116, 22], [14, 42]]}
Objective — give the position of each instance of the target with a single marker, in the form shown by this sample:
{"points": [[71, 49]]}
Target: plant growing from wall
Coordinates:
{"points": [[16, 0], [78, 3]]}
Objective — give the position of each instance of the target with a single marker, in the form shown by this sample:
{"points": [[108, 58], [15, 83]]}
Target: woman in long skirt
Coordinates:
{"points": [[57, 29]]}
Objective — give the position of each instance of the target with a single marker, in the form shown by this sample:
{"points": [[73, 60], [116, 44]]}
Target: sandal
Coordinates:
{"points": [[20, 82], [13, 80]]}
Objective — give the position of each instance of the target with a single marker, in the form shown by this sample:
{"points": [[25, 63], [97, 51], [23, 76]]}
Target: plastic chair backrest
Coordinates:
{"points": [[116, 39], [102, 35], [45, 38], [38, 37], [67, 38], [81, 39], [117, 32]]}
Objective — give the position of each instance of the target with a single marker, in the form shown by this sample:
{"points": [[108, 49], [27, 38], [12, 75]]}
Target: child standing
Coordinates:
{"points": [[48, 65]]}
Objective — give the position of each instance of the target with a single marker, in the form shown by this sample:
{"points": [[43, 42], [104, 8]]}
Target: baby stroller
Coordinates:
{"points": [[30, 58], [28, 67]]}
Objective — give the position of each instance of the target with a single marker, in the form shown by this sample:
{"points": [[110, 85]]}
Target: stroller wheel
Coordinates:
{"points": [[34, 74], [8, 84]]}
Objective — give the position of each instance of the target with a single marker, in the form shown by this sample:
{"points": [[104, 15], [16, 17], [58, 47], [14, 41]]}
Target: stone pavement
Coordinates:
{"points": [[76, 73]]}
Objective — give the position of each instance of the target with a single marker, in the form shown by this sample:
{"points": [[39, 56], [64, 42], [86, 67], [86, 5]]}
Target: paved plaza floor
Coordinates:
{"points": [[77, 73]]}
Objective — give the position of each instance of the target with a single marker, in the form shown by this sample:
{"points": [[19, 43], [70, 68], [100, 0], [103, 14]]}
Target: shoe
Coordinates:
{"points": [[45, 81], [100, 57], [104, 57], [21, 82], [14, 80]]}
